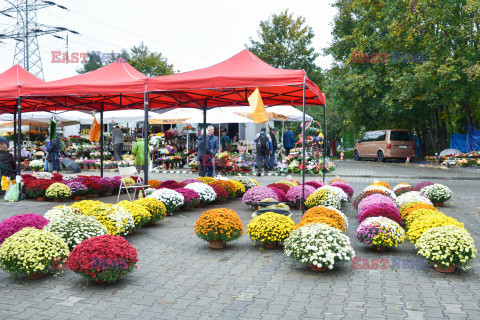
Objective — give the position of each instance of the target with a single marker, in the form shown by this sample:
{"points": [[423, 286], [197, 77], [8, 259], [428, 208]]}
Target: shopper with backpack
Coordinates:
{"points": [[264, 149]]}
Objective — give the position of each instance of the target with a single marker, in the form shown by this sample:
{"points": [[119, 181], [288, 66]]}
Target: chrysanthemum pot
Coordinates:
{"points": [[317, 269], [41, 199], [273, 245], [89, 195], [35, 276], [442, 269], [77, 198], [379, 249], [438, 204], [58, 263], [217, 244], [57, 200], [199, 205]]}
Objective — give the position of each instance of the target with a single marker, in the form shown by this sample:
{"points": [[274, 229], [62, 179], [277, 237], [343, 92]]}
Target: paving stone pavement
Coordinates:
{"points": [[179, 277]]}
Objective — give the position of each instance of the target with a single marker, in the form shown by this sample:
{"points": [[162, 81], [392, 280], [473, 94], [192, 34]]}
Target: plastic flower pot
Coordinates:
{"points": [[317, 269], [450, 269], [217, 244], [273, 245], [77, 198], [89, 196], [379, 249], [41, 199], [57, 200], [35, 276]]}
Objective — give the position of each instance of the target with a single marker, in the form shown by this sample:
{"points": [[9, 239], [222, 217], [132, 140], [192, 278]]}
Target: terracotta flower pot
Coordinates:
{"points": [[450, 269], [255, 207], [380, 249], [438, 204], [77, 198], [315, 268], [273, 245], [199, 205], [35, 276], [89, 196], [41, 199], [100, 281], [57, 200], [217, 244]]}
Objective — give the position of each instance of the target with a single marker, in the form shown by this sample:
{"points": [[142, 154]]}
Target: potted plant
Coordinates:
{"points": [[342, 185], [73, 228], [270, 229], [319, 246], [219, 226], [446, 247], [77, 189], [105, 259], [254, 195], [437, 193], [16, 223], [222, 194], [156, 208], [140, 215], [380, 233], [380, 209], [191, 198], [412, 196], [328, 215], [170, 198], [30, 252], [227, 186], [117, 220], [205, 192], [426, 222], [294, 195], [36, 165], [323, 197], [58, 191]]}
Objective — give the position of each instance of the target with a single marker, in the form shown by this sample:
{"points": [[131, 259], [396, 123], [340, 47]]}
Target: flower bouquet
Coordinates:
{"points": [[170, 198], [256, 194], [412, 196], [117, 220], [419, 226], [294, 194], [447, 247], [437, 193], [270, 228], [30, 252], [323, 197], [156, 208], [205, 192], [319, 246], [105, 259], [36, 165], [218, 226], [380, 233], [16, 223], [58, 191], [73, 229], [140, 215]]}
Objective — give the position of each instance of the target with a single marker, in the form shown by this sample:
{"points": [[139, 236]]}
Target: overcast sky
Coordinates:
{"points": [[191, 34]]}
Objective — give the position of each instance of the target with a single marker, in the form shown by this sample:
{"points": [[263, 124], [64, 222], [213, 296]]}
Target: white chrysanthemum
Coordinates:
{"points": [[437, 192], [388, 191], [400, 185], [342, 196], [412, 196], [60, 211], [205, 192]]}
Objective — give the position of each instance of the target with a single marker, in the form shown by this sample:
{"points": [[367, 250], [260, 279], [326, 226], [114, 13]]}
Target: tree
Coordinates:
{"points": [[94, 62]]}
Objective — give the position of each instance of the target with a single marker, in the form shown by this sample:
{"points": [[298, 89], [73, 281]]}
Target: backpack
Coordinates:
{"points": [[262, 142]]}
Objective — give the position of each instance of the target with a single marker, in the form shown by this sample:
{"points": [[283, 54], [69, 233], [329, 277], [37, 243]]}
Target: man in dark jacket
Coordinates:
{"points": [[225, 140], [273, 137], [264, 150], [200, 153], [8, 167], [288, 141], [54, 151], [212, 149]]}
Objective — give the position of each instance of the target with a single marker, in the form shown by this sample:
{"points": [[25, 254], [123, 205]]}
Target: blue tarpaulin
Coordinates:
{"points": [[466, 142]]}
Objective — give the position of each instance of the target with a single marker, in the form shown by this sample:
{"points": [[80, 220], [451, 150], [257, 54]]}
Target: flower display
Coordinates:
{"points": [[402, 190], [375, 198], [43, 175], [423, 184], [206, 180], [344, 186], [412, 196], [170, 184], [58, 191], [114, 184], [419, 226], [342, 196], [329, 212], [281, 186], [227, 186], [332, 222], [30, 251], [389, 192], [59, 212], [139, 214], [323, 197], [191, 198], [36, 165], [270, 228], [253, 196], [239, 187], [437, 192], [170, 198], [294, 194], [410, 207], [205, 192], [380, 209], [318, 244], [337, 180], [420, 214], [381, 183], [246, 181], [104, 258], [35, 188], [77, 188], [73, 229], [219, 224], [288, 183], [93, 186], [222, 194], [16, 223], [117, 220], [156, 208], [86, 206], [282, 197], [315, 183], [447, 245], [368, 193], [380, 232]]}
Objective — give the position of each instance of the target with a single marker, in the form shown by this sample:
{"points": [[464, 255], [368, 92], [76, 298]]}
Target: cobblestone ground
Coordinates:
{"points": [[179, 277]]}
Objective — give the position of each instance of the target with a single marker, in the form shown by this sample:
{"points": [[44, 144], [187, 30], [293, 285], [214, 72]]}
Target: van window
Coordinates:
{"points": [[377, 136], [363, 138], [401, 136]]}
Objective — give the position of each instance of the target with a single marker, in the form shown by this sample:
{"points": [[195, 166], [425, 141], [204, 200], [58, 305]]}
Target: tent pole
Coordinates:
{"points": [[145, 137], [303, 147], [283, 128], [324, 170], [19, 137], [101, 141], [15, 142], [203, 160]]}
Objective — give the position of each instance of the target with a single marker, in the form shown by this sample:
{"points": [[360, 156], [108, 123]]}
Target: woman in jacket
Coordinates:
{"points": [[138, 151]]}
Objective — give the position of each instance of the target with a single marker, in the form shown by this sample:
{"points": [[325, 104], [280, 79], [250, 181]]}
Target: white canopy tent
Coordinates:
{"points": [[42, 118]]}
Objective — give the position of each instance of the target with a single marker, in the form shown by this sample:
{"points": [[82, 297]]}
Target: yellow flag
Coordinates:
{"points": [[95, 131], [258, 109]]}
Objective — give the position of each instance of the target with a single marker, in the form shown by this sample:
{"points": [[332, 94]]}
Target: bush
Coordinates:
{"points": [[219, 224]]}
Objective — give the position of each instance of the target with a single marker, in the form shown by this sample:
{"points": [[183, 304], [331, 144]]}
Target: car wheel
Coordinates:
{"points": [[356, 156], [380, 157]]}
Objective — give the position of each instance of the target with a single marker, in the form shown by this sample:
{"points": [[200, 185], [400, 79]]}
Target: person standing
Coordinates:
{"points": [[54, 152], [264, 149], [273, 137], [225, 141], [117, 141], [47, 167], [201, 152], [212, 149], [288, 140], [138, 151], [8, 168]]}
